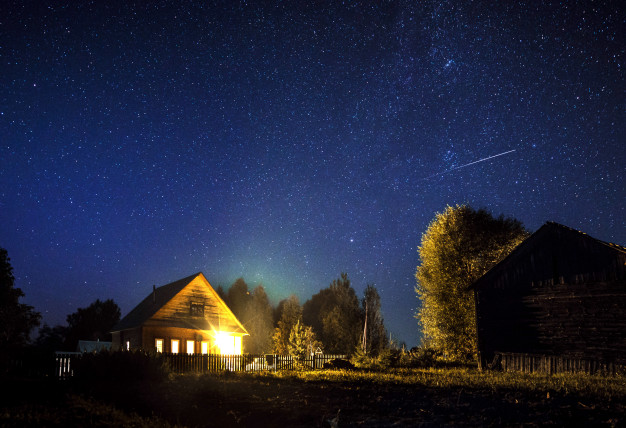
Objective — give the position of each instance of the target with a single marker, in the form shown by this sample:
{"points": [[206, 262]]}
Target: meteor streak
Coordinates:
{"points": [[471, 163]]}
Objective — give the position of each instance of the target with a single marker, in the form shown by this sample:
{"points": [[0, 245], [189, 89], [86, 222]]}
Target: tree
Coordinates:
{"points": [[335, 316], [238, 298], [16, 319], [288, 313], [258, 320], [92, 323], [459, 246], [302, 343], [51, 339], [374, 333]]}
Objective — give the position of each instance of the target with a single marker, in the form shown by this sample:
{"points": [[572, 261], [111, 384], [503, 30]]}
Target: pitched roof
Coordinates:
{"points": [[547, 228], [160, 297]]}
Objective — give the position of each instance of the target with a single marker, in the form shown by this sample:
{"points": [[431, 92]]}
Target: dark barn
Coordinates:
{"points": [[556, 303]]}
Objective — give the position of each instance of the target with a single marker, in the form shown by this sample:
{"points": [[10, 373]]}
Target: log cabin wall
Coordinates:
{"points": [[559, 293]]}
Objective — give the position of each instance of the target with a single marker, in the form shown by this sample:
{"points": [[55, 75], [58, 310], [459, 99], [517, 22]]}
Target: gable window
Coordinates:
{"points": [[197, 309], [175, 343], [158, 344], [190, 346]]}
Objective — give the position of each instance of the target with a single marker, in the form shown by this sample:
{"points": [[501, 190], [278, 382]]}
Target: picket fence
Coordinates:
{"points": [[203, 363], [551, 364]]}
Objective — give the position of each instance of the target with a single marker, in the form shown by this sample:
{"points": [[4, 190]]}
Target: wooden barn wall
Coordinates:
{"points": [[177, 312], [562, 294], [570, 320]]}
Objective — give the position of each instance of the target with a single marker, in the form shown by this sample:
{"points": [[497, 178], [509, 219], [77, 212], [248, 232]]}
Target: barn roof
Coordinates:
{"points": [[542, 233], [160, 296]]}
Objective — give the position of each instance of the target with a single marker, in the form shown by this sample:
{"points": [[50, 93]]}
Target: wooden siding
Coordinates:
{"points": [[120, 337], [561, 294], [178, 311], [151, 333]]}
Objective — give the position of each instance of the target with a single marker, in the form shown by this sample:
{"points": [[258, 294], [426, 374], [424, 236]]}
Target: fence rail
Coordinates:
{"points": [[203, 363], [551, 364]]}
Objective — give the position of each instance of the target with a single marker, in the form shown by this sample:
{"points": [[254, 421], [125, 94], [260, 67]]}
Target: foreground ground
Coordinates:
{"points": [[401, 398]]}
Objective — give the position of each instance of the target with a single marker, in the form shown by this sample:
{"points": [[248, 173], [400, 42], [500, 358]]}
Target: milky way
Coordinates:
{"points": [[288, 143]]}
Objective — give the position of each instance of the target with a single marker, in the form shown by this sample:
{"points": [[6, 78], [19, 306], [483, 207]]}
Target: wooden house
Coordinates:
{"points": [[556, 303], [185, 316]]}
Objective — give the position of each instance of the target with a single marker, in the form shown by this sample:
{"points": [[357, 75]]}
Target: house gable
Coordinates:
{"points": [[189, 303], [197, 306]]}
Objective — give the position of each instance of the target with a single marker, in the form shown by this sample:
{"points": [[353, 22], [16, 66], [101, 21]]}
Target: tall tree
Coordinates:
{"points": [[459, 246], [92, 323], [335, 315], [374, 328], [238, 298], [258, 320], [16, 319], [288, 313]]}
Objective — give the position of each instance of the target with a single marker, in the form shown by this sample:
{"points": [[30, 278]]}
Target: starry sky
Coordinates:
{"points": [[287, 142]]}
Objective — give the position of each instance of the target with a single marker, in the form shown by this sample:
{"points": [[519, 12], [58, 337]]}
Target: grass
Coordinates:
{"points": [[598, 387], [398, 397]]}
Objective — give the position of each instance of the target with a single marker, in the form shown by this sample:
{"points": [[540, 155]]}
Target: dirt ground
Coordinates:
{"points": [[265, 401], [244, 400]]}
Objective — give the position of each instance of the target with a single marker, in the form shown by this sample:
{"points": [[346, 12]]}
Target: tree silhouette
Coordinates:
{"points": [[92, 323], [16, 319]]}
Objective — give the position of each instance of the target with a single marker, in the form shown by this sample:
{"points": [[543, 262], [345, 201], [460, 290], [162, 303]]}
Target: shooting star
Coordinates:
{"points": [[469, 164]]}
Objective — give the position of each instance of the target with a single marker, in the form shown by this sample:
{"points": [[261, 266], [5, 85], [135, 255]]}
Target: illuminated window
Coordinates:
{"points": [[128, 345], [205, 348], [158, 344], [238, 345], [175, 343], [190, 346]]}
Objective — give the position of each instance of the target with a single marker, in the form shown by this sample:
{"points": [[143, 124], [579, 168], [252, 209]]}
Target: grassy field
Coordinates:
{"points": [[401, 397]]}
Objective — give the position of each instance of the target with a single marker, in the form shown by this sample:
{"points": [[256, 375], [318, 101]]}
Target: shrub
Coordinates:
{"points": [[121, 366], [339, 363]]}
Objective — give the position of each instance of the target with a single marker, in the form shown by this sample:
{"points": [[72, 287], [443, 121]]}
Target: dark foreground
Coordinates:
{"points": [[285, 401]]}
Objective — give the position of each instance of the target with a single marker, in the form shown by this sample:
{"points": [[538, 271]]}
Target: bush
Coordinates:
{"points": [[121, 366], [339, 363]]}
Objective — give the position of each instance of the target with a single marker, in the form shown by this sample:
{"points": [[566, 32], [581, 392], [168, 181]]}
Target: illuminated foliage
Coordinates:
{"points": [[289, 313], [302, 342], [459, 246], [16, 319]]}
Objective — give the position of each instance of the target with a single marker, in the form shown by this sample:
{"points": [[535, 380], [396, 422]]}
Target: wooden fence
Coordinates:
{"points": [[202, 363], [182, 363], [551, 364]]}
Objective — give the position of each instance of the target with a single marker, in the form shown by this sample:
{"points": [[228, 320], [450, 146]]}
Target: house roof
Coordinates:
{"points": [[546, 229], [160, 296]]}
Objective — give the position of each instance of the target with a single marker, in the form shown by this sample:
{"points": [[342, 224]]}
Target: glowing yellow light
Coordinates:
{"points": [[227, 343]]}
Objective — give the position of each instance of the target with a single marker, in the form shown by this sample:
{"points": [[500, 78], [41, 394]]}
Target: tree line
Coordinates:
{"points": [[334, 320], [459, 246]]}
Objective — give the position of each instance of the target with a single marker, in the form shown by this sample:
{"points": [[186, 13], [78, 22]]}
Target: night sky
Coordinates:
{"points": [[287, 142]]}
